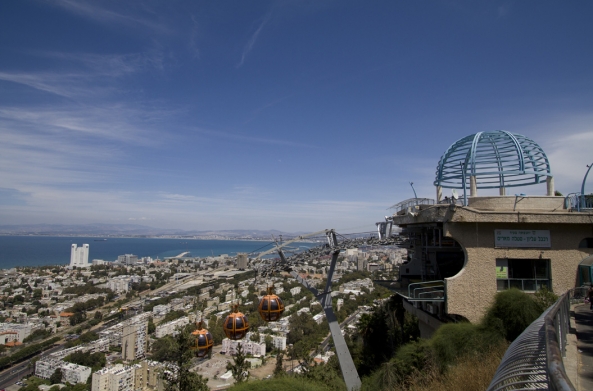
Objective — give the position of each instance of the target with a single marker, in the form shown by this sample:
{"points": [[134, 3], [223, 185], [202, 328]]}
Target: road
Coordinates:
{"points": [[15, 373]]}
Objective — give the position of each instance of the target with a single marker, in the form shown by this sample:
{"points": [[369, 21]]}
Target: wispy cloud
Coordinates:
{"points": [[251, 139], [193, 39], [92, 11], [251, 42]]}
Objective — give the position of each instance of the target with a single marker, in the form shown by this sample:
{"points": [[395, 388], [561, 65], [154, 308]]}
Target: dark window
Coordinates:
{"points": [[523, 274], [274, 305], [239, 323], [265, 305], [586, 243]]}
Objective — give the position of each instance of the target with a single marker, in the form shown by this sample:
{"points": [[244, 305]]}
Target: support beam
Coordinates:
{"points": [[473, 186], [347, 366], [550, 186]]}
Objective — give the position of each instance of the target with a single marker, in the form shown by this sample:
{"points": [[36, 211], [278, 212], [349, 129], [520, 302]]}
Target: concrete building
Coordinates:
{"points": [[74, 374], [127, 259], [116, 378], [249, 347], [133, 343], [241, 261], [14, 331], [171, 327], [71, 373], [360, 262], [79, 256], [119, 284], [479, 245], [161, 310]]}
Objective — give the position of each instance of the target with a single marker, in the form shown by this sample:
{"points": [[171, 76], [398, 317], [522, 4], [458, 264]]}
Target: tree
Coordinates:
{"points": [[269, 343], [279, 369], [56, 377], [98, 315], [178, 377], [239, 367], [151, 326]]}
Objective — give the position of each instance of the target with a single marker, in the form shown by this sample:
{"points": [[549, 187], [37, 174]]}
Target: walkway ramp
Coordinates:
{"points": [[583, 323]]}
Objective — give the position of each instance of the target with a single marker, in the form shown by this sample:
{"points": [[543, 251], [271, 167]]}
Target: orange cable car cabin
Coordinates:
{"points": [[204, 341], [270, 307], [236, 325]]}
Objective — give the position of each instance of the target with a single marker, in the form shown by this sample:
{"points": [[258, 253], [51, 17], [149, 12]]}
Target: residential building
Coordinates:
{"points": [[134, 341], [127, 259], [171, 327], [249, 347], [74, 374], [242, 261], [79, 256]]}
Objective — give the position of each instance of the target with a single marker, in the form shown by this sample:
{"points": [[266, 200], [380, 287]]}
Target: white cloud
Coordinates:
{"points": [[251, 42], [92, 11]]}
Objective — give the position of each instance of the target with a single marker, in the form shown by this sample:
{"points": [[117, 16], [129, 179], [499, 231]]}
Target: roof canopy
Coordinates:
{"points": [[497, 159]]}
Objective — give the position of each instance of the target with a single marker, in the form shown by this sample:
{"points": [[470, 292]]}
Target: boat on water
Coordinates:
{"points": [[100, 240]]}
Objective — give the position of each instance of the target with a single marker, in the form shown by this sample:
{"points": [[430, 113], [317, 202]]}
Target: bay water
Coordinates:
{"points": [[55, 250]]}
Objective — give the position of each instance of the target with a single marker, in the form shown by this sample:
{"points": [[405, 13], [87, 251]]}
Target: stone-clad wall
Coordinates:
{"points": [[472, 290], [544, 203]]}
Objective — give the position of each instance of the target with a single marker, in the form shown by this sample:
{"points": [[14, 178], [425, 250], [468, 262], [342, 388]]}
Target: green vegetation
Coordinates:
{"points": [[95, 361], [33, 384], [172, 315], [56, 377], [436, 363], [512, 311], [239, 367], [180, 378], [84, 338], [285, 383], [37, 334], [26, 352]]}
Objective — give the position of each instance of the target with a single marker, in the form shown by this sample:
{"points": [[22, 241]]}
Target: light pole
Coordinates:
{"points": [[583, 187], [463, 182], [415, 196]]}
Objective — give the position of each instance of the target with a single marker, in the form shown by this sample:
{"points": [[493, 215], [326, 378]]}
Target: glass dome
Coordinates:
{"points": [[497, 159]]}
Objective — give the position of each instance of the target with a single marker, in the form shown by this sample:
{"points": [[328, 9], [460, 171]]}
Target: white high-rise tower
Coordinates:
{"points": [[79, 256]]}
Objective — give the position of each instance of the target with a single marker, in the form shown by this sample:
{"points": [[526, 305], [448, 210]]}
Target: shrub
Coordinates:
{"points": [[544, 298], [512, 311], [285, 383]]}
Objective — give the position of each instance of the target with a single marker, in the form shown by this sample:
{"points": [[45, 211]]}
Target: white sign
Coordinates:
{"points": [[522, 238]]}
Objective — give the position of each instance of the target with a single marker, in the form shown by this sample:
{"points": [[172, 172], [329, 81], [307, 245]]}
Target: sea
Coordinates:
{"points": [[55, 250]]}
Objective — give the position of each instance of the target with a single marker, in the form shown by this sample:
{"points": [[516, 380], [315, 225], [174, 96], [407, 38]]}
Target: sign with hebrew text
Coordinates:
{"points": [[522, 238]]}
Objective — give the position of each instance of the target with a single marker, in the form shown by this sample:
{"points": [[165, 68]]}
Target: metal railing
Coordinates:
{"points": [[534, 359], [426, 291], [411, 202], [524, 284], [578, 202]]}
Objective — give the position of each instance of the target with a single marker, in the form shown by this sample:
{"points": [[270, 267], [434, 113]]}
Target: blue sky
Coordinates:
{"points": [[290, 115]]}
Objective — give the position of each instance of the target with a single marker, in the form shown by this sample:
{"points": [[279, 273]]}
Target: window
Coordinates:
{"points": [[524, 274]]}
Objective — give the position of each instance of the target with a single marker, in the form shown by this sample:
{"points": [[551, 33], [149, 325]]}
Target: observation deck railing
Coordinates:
{"points": [[426, 291], [578, 202], [534, 359], [411, 202]]}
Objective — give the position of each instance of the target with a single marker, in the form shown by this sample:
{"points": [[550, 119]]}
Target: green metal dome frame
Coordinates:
{"points": [[497, 159]]}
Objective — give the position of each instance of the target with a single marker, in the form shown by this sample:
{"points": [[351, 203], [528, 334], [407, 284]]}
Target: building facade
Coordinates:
{"points": [[79, 256]]}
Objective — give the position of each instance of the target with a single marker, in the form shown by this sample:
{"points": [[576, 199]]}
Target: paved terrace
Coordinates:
{"points": [[579, 353]]}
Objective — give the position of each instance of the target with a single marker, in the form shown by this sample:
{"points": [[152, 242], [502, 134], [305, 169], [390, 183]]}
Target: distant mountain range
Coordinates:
{"points": [[130, 230]]}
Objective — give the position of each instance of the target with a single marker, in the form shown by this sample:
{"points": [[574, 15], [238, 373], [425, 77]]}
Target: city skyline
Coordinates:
{"points": [[296, 116]]}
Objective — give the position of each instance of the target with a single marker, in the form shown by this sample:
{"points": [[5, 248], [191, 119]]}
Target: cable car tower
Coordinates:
{"points": [[265, 267]]}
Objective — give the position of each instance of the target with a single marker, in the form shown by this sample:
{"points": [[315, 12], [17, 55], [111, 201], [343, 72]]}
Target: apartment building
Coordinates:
{"points": [[134, 340]]}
